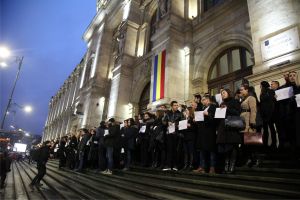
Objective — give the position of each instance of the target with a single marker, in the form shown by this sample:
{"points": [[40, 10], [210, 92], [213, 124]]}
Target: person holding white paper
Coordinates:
{"points": [[287, 115], [189, 139], [207, 137], [144, 138], [172, 118], [228, 140]]}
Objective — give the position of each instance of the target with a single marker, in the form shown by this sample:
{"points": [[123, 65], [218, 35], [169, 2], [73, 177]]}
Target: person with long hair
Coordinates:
{"points": [[228, 139]]}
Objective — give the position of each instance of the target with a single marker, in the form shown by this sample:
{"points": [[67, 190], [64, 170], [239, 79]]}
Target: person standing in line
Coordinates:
{"points": [[110, 136], [43, 156], [228, 139]]}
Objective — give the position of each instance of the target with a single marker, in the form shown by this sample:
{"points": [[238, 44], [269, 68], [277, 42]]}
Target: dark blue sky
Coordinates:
{"points": [[48, 33]]}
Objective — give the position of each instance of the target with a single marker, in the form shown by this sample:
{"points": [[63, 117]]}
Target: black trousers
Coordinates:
{"points": [[3, 177], [266, 127], [172, 144], [41, 173], [144, 151]]}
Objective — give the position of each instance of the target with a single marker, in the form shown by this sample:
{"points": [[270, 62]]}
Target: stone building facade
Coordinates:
{"points": [[208, 44]]}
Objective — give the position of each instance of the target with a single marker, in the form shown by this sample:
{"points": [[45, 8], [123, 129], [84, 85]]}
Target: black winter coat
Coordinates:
{"points": [[110, 140], [267, 105], [190, 132], [226, 136], [207, 133], [129, 135]]}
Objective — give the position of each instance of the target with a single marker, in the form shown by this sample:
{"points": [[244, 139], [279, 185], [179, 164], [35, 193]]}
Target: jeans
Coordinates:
{"points": [[203, 158], [109, 156]]}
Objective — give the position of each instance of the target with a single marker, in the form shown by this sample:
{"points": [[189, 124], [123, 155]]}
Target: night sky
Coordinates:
{"points": [[48, 33]]}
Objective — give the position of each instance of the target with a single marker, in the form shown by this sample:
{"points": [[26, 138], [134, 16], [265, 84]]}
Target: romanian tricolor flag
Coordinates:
{"points": [[159, 76]]}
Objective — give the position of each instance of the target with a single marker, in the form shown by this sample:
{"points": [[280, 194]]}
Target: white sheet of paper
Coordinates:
{"points": [[199, 117], [121, 126], [220, 113], [143, 129], [219, 98], [182, 125], [298, 100], [284, 93], [171, 128], [106, 132]]}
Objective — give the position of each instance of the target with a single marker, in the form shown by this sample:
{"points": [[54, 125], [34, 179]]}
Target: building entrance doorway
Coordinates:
{"points": [[144, 99]]}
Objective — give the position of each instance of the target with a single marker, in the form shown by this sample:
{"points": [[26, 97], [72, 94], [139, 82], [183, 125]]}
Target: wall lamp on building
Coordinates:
{"points": [[5, 53]]}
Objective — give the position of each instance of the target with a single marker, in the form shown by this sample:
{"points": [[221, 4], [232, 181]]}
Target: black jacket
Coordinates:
{"points": [[113, 135], [267, 104], [44, 153]]}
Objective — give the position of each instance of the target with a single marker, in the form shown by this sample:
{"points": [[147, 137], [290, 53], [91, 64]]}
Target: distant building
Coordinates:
{"points": [[142, 53]]}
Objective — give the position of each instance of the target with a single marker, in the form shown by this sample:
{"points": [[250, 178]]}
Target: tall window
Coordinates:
{"points": [[153, 25], [208, 4], [229, 68]]}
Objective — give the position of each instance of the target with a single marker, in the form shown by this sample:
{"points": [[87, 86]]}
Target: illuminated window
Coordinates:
{"points": [[229, 68]]}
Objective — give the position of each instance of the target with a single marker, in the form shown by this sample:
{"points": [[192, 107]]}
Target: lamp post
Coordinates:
{"points": [[20, 61]]}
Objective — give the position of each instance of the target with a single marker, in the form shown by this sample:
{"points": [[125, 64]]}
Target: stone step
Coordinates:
{"points": [[226, 186], [271, 182]]}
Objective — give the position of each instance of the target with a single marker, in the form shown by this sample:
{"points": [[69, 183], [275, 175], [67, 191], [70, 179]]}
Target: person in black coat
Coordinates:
{"points": [[157, 140], [101, 148], [130, 133], [144, 138], [189, 139], [229, 139], [62, 153], [93, 151], [43, 156], [171, 119], [207, 137], [110, 136], [82, 148], [267, 107]]}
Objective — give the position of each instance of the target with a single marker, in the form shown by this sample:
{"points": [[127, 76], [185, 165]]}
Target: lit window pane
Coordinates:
{"points": [[224, 65], [236, 61], [214, 72], [248, 59]]}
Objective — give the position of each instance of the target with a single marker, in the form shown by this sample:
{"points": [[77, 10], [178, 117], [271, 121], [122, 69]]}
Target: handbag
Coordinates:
{"points": [[235, 122], [255, 138]]}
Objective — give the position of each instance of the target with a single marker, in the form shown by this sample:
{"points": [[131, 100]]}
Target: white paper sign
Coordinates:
{"points": [[199, 116], [171, 128], [219, 98], [106, 132], [121, 126], [284, 93], [143, 129], [298, 100], [220, 113], [182, 125]]}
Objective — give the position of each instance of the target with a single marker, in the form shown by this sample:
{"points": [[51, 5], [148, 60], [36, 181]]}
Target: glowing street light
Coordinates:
{"points": [[4, 52], [28, 109], [3, 64]]}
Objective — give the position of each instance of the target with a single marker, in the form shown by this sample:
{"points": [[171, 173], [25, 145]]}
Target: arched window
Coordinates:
{"points": [[144, 99], [229, 68], [88, 70]]}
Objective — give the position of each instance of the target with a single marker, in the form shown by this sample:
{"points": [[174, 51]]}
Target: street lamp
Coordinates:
{"points": [[5, 53]]}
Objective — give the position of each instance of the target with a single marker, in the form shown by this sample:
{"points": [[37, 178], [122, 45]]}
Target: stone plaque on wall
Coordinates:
{"points": [[280, 44]]}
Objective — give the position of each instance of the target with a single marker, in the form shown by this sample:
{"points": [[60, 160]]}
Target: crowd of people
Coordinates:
{"points": [[204, 146]]}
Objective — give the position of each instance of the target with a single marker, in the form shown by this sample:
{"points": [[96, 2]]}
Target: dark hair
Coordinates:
{"points": [[264, 84], [245, 86], [131, 121], [228, 92], [173, 102], [198, 96], [102, 124], [112, 120], [160, 113], [84, 130]]}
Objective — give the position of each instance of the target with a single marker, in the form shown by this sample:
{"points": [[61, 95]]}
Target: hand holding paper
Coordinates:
{"points": [[182, 125], [171, 128], [220, 113], [199, 117], [284, 93]]}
